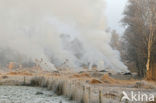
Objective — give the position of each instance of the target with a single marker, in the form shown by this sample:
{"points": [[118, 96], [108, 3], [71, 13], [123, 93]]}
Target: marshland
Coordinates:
{"points": [[83, 87]]}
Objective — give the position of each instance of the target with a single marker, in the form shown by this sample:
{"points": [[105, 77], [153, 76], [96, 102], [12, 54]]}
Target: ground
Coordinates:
{"points": [[90, 84]]}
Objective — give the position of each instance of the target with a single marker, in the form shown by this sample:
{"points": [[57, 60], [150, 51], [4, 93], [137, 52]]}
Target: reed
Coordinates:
{"points": [[72, 88]]}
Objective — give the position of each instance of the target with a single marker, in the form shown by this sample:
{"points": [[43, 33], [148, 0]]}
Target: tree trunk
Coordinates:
{"points": [[149, 48], [148, 73]]}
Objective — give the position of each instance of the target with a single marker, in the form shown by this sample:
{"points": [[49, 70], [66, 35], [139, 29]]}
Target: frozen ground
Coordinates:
{"points": [[22, 94], [77, 86]]}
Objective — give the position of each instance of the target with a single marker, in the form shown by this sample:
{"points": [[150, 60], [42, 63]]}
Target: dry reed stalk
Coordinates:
{"points": [[100, 96]]}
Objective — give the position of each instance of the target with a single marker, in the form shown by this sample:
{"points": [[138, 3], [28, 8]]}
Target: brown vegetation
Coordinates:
{"points": [[144, 84], [20, 73], [107, 79], [83, 75], [110, 95], [83, 88], [95, 81]]}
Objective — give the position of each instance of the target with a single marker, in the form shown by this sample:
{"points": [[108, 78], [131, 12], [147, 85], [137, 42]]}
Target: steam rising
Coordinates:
{"points": [[58, 31]]}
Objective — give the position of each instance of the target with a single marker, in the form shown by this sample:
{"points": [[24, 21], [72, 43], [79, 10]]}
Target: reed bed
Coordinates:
{"points": [[81, 88], [74, 89]]}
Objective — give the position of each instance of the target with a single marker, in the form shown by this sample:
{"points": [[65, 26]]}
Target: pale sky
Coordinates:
{"points": [[114, 13]]}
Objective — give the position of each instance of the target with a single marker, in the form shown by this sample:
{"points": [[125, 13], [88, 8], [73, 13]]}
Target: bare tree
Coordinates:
{"points": [[150, 37], [140, 22]]}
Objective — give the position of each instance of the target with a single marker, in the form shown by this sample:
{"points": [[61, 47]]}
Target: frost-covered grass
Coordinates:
{"points": [[82, 87], [84, 92], [23, 94]]}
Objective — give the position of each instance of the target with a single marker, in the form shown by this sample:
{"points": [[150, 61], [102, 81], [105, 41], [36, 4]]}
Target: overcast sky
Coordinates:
{"points": [[114, 13]]}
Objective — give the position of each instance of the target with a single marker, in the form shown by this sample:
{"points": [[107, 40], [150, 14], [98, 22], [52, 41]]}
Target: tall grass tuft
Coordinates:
{"points": [[73, 89]]}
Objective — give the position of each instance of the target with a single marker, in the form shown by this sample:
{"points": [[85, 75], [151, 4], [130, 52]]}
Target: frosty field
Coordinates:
{"points": [[23, 94]]}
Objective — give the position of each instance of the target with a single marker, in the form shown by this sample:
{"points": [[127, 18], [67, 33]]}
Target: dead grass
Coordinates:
{"points": [[107, 79], [112, 81], [83, 75], [95, 81], [36, 81], [52, 74], [12, 73], [72, 85], [20, 73], [145, 85], [62, 86], [110, 95]]}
